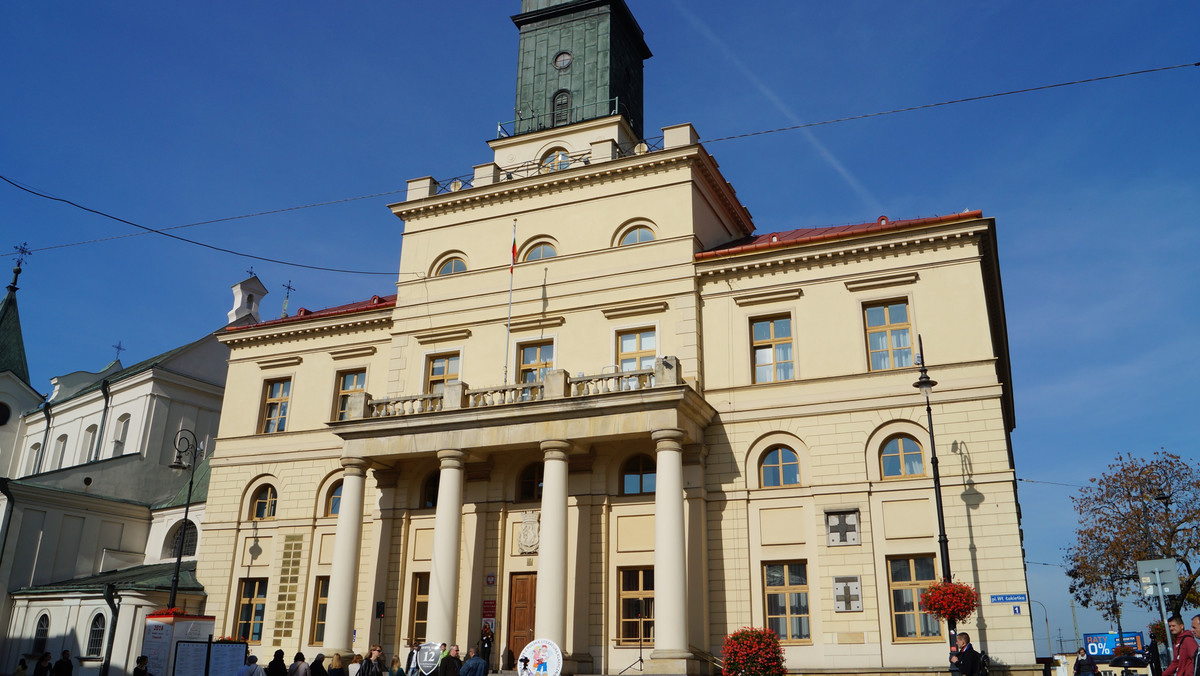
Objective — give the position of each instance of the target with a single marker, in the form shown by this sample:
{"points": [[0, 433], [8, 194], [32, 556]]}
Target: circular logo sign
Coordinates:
{"points": [[428, 655], [540, 657]]}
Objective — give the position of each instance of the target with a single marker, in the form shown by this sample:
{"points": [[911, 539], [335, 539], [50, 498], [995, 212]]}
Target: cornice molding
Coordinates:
{"points": [[881, 281], [278, 362], [767, 297], [352, 352], [630, 310], [442, 335], [533, 323], [301, 329]]}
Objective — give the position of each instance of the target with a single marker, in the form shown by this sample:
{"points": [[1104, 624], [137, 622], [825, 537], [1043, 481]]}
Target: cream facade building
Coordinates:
{"points": [[674, 429]]}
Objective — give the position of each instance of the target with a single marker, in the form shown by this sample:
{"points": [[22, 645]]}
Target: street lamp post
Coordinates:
{"points": [[185, 446], [926, 384], [1049, 645]]}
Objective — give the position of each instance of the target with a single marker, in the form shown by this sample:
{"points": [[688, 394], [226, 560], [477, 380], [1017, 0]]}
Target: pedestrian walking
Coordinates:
{"points": [[1184, 662]]}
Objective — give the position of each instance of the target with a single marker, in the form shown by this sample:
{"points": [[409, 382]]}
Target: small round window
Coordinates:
{"points": [[562, 60]]}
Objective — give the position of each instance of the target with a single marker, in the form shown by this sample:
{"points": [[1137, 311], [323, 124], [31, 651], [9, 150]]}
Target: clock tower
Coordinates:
{"points": [[579, 60]]}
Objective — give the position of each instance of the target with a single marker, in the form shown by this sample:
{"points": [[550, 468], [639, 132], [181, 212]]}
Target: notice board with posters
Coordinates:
{"points": [[200, 658]]}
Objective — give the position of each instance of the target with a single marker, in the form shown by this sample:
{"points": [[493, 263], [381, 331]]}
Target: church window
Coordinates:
{"points": [[184, 535], [889, 345], [901, 457], [263, 506], [120, 432], [419, 610], [785, 587], [41, 633], [780, 467], [638, 475], [771, 344], [348, 383], [276, 396], [452, 266], [252, 607], [429, 492], [540, 251], [89, 450], [555, 160], [333, 501], [536, 360], [637, 606], [529, 487], [36, 456], [320, 608], [637, 235], [60, 451], [95, 636], [440, 369], [5, 414], [907, 578], [562, 108]]}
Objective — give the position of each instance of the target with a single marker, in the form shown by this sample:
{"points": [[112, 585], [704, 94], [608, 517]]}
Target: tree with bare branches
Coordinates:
{"points": [[1139, 509]]}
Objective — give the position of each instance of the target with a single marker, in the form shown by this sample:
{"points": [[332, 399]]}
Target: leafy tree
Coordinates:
{"points": [[1139, 509]]}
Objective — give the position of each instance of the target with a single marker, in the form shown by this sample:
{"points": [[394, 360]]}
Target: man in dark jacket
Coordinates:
{"points": [[474, 666], [966, 658], [63, 667], [277, 667], [451, 664]]}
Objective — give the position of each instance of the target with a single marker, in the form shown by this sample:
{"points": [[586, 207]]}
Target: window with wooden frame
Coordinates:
{"points": [[320, 608], [262, 507], [636, 606], [540, 251], [276, 394], [636, 350], [889, 339], [252, 607], [901, 457], [536, 360], [439, 370], [419, 607], [638, 475], [529, 486], [452, 266], [785, 591], [780, 467], [771, 349], [348, 383], [333, 500], [637, 235], [907, 578]]}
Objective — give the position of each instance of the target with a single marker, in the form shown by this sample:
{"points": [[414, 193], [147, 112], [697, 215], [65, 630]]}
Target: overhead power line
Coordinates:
{"points": [[1050, 483], [164, 231]]}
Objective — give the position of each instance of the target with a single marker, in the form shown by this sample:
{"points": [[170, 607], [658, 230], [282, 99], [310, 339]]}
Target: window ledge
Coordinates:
{"points": [[278, 362], [882, 281], [768, 297], [615, 311], [351, 352], [438, 336], [537, 323]]}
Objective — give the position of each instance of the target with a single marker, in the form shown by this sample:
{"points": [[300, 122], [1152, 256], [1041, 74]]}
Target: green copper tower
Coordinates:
{"points": [[579, 60]]}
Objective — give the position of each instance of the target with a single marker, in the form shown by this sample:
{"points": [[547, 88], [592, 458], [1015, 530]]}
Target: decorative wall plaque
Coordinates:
{"points": [[847, 594], [527, 542], [842, 528]]}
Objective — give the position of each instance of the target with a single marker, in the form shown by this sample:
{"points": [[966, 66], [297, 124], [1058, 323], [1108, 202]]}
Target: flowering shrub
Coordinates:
{"points": [[953, 601], [169, 611], [753, 652], [1123, 650], [228, 639], [1157, 633]]}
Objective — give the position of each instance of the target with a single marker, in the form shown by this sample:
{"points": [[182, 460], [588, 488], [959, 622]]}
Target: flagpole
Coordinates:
{"points": [[508, 324]]}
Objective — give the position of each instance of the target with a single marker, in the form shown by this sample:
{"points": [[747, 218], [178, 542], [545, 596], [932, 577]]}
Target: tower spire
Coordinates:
{"points": [[12, 344]]}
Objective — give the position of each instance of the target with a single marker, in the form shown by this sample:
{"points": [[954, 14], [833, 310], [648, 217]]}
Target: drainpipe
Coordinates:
{"points": [[110, 591], [45, 436], [98, 442], [9, 507]]}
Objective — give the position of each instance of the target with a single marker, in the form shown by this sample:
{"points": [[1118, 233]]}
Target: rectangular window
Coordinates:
{"points": [[320, 606], [785, 586], [771, 343], [419, 609], [536, 359], [637, 606], [439, 370], [636, 350], [275, 405], [252, 605], [348, 383], [907, 577], [889, 344]]}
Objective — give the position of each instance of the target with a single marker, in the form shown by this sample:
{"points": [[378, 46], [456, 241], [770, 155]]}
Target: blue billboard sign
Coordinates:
{"points": [[1103, 645]]}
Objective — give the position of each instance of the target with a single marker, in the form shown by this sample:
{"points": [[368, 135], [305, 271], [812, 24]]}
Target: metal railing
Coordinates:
{"points": [[558, 118]]}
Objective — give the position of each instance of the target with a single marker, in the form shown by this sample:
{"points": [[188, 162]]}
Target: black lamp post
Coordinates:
{"points": [[185, 446], [925, 384]]}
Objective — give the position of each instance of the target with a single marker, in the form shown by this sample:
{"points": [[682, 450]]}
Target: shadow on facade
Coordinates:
{"points": [[972, 498]]}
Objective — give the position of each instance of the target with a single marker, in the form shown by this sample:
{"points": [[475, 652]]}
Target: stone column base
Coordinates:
{"points": [[671, 662]]}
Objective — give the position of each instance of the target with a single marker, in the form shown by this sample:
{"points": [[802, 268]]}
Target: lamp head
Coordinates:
{"points": [[925, 384], [177, 465]]}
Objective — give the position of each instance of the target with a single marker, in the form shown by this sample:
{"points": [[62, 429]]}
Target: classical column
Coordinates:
{"points": [[447, 532], [670, 564], [343, 577], [550, 619]]}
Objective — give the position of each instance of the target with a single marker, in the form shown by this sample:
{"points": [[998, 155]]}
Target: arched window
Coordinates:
{"points": [[96, 636], [40, 633], [90, 450], [452, 266], [5, 414], [333, 501], [637, 235], [637, 476], [429, 492], [60, 451], [562, 107], [35, 458], [555, 160], [183, 535], [263, 506], [540, 251], [529, 486], [119, 433], [902, 457], [780, 467]]}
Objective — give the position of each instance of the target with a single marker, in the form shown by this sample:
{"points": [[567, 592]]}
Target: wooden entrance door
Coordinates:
{"points": [[522, 596]]}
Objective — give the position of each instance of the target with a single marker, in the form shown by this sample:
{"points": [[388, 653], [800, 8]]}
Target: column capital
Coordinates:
{"points": [[556, 449], [668, 438], [355, 466], [451, 459]]}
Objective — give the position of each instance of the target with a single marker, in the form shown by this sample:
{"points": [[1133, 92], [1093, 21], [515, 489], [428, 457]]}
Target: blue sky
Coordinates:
{"points": [[167, 114]]}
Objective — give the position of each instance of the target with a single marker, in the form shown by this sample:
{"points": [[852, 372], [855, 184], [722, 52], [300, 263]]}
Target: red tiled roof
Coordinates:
{"points": [[774, 240], [372, 303]]}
